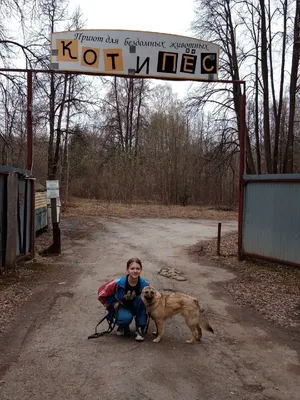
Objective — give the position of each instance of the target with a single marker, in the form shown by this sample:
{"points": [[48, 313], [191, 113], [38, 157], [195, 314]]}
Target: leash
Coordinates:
{"points": [[111, 326], [143, 332], [147, 324]]}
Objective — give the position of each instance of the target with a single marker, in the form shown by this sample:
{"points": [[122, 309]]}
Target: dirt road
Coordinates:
{"points": [[245, 359]]}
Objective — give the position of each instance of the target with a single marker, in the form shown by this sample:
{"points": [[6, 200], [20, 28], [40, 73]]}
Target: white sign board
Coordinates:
{"points": [[52, 189], [53, 193], [135, 53], [53, 184]]}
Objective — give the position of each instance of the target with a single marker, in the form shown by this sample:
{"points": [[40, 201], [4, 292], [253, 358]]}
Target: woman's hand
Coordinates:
{"points": [[116, 305]]}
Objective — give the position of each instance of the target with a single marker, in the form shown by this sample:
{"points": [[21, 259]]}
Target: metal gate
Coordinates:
{"points": [[270, 226]]}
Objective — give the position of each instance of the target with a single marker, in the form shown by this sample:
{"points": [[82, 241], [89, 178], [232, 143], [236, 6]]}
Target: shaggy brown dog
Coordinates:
{"points": [[162, 306]]}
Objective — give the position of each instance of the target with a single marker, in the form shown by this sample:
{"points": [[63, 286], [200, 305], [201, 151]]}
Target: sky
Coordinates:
{"points": [[165, 16]]}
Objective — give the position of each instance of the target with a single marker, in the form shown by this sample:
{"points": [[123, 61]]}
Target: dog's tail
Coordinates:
{"points": [[203, 322]]}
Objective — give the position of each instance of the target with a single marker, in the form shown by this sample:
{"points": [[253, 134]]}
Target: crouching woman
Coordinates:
{"points": [[124, 296]]}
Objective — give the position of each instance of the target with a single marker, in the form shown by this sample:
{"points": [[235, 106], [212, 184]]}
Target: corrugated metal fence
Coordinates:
{"points": [[16, 210], [271, 217]]}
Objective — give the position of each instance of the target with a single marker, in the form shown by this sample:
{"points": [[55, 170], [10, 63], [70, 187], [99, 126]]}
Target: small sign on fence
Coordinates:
{"points": [[52, 187], [54, 206]]}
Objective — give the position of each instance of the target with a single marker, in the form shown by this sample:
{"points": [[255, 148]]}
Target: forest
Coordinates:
{"points": [[135, 140]]}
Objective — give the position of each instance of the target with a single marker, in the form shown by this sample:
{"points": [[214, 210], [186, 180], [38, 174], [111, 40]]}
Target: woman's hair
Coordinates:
{"points": [[132, 260]]}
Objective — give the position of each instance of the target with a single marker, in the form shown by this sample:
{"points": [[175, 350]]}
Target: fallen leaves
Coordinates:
{"points": [[271, 289], [93, 207]]}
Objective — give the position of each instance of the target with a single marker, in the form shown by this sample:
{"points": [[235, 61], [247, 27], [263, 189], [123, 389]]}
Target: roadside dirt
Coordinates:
{"points": [[97, 208], [48, 356], [33, 278], [271, 289]]}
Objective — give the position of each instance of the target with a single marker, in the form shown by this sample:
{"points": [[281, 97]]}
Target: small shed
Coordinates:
{"points": [[17, 230], [41, 223]]}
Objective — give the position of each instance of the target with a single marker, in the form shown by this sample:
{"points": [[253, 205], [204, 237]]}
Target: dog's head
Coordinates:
{"points": [[149, 295]]}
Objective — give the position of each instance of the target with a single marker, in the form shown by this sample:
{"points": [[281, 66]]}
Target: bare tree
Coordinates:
{"points": [[258, 31], [289, 152], [217, 21]]}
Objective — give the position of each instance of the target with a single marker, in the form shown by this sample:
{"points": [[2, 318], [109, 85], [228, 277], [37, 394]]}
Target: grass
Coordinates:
{"points": [[37, 266], [92, 207]]}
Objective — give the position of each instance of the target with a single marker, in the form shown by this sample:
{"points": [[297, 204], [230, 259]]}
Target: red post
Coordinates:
{"points": [[241, 172], [29, 161], [29, 121]]}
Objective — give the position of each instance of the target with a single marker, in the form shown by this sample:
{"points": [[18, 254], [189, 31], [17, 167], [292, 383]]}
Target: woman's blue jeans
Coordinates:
{"points": [[125, 315]]}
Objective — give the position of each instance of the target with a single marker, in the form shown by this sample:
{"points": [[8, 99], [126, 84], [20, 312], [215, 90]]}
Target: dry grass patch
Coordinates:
{"points": [[271, 289], [86, 207]]}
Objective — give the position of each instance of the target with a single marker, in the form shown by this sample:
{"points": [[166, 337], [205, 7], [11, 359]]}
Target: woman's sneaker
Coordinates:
{"points": [[120, 331], [123, 331], [139, 336]]}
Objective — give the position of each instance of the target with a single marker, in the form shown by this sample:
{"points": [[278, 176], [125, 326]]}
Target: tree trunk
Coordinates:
{"points": [[265, 78], [288, 157], [51, 126], [237, 88], [278, 114], [65, 170], [257, 141], [58, 129]]}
